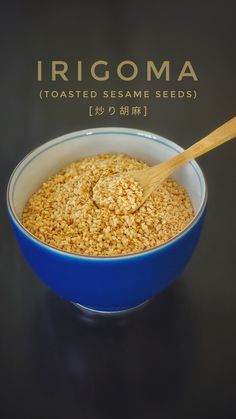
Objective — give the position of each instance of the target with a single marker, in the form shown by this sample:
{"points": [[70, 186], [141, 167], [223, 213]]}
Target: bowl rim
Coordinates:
{"points": [[114, 130]]}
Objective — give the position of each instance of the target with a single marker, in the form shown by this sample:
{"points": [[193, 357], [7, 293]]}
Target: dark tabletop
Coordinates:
{"points": [[176, 357]]}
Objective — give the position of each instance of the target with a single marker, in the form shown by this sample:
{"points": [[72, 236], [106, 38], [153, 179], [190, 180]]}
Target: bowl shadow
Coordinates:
{"points": [[128, 364]]}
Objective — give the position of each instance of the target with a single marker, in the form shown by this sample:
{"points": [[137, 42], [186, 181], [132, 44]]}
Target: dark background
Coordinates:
{"points": [[175, 358]]}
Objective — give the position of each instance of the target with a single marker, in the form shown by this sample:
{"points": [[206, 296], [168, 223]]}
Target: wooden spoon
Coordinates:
{"points": [[152, 177]]}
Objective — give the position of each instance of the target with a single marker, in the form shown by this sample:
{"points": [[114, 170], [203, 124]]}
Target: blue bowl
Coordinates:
{"points": [[105, 284]]}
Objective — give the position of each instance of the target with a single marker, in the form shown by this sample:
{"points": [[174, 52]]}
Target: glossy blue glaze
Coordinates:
{"points": [[110, 284]]}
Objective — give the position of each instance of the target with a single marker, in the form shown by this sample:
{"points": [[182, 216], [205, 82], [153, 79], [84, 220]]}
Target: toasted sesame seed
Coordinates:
{"points": [[121, 194], [63, 214]]}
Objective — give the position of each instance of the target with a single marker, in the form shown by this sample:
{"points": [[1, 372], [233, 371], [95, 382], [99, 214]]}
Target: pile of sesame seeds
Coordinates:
{"points": [[121, 194], [63, 214]]}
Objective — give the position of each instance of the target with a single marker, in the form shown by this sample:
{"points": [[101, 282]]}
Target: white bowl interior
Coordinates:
{"points": [[49, 158]]}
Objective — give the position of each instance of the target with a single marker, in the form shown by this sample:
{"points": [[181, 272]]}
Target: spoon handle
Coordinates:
{"points": [[217, 137]]}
